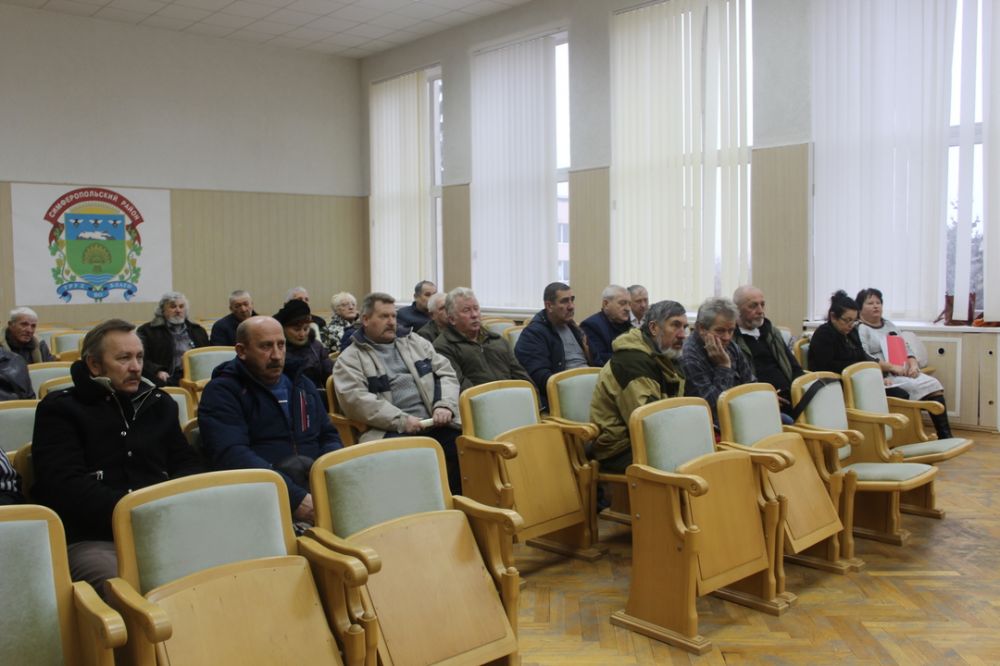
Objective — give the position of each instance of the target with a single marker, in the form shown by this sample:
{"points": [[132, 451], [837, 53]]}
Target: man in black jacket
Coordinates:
{"points": [[111, 433], [15, 382], [167, 337]]}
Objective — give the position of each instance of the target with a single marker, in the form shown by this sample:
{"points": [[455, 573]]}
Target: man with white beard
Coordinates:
{"points": [[643, 369], [167, 337]]}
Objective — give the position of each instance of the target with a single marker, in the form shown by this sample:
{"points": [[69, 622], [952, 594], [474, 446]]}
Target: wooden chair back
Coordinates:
{"points": [[17, 423], [512, 333], [25, 467], [498, 324], [350, 431], [198, 365], [569, 393], [801, 351], [54, 384], [66, 345], [42, 372], [186, 408]]}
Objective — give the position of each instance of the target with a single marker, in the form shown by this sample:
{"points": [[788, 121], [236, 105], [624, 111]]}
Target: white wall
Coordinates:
{"points": [[91, 101]]}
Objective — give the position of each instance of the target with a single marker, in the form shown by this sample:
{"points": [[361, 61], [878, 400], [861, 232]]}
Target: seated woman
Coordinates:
{"points": [[302, 346], [873, 331], [344, 320], [836, 345]]}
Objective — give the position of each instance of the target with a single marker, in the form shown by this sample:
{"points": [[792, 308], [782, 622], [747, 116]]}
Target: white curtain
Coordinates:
{"points": [[991, 158], [399, 207], [880, 110], [513, 189], [681, 148]]}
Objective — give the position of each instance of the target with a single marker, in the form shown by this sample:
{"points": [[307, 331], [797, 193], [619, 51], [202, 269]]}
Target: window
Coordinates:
{"points": [[435, 90], [680, 166]]}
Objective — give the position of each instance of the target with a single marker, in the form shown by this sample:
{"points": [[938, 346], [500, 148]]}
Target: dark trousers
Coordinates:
{"points": [[447, 437]]}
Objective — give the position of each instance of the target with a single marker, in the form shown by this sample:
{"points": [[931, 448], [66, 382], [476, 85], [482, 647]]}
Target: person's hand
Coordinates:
{"points": [[716, 351], [163, 376], [784, 401], [442, 416], [412, 425], [912, 367], [305, 512]]}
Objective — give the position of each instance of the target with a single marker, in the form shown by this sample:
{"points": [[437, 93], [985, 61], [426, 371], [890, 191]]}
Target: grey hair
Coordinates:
{"points": [[740, 295], [170, 297], [660, 312], [340, 297], [294, 290], [368, 305], [437, 301], [453, 295], [20, 312], [613, 290], [239, 293], [713, 307], [636, 287]]}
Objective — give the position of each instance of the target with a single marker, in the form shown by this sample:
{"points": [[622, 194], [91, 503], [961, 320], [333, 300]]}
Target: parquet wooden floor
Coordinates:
{"points": [[934, 601]]}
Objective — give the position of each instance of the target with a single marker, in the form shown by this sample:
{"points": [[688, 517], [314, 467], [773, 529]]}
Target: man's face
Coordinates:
{"points": [[640, 303], [175, 312], [120, 361], [466, 319], [722, 329], [297, 333], [22, 329], [617, 307], [241, 307], [380, 325], [439, 315], [264, 351], [670, 335], [561, 310], [752, 309], [425, 293]]}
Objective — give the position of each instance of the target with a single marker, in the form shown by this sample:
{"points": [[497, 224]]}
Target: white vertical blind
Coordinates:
{"points": [[880, 108], [399, 206], [991, 158], [680, 148], [513, 189]]}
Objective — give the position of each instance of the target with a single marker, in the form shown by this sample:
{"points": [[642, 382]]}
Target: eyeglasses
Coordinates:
{"points": [[849, 322]]}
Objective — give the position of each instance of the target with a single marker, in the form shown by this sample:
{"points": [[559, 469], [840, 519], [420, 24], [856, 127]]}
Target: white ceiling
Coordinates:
{"points": [[352, 28]]}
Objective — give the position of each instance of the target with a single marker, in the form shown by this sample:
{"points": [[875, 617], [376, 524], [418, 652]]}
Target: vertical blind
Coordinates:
{"points": [[680, 148], [513, 189], [991, 158], [399, 206]]}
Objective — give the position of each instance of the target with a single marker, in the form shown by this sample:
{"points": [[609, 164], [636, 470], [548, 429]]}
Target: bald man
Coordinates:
{"points": [[259, 411]]}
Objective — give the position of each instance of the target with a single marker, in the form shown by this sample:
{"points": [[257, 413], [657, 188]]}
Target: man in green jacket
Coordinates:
{"points": [[643, 369], [477, 355]]}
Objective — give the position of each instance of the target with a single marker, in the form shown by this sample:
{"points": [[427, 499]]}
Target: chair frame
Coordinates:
{"points": [[46, 365], [54, 384], [801, 356], [508, 334], [19, 404], [350, 431], [196, 386], [65, 355], [192, 406]]}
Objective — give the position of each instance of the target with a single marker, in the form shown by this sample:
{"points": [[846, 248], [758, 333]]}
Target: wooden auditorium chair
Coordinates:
{"points": [[42, 372], [17, 423], [350, 431], [801, 351], [66, 345], [186, 408], [498, 324], [820, 520], [510, 459], [703, 522], [882, 475], [446, 590], [54, 384], [512, 333], [210, 573], [198, 365], [46, 618]]}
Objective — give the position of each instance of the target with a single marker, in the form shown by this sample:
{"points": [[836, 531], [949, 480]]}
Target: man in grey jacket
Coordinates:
{"points": [[397, 384]]}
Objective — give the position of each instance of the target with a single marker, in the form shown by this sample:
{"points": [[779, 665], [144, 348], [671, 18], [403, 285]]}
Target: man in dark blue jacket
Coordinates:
{"points": [[603, 327], [259, 412], [552, 342]]}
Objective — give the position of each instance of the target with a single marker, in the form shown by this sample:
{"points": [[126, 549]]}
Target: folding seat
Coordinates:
{"points": [[198, 364], [17, 423], [42, 372]]}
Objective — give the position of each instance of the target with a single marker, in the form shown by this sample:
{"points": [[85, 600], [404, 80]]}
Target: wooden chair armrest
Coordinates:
{"points": [[368, 557], [772, 460], [931, 406], [336, 418], [101, 619], [350, 570], [509, 521], [505, 450], [151, 618], [894, 421], [694, 485], [852, 436], [828, 439], [585, 431]]}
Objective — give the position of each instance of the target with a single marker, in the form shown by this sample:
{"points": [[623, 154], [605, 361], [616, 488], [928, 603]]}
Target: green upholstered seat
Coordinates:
{"points": [[495, 412], [188, 532], [869, 393], [17, 425], [827, 410], [64, 342], [931, 447], [676, 436], [575, 394], [879, 471], [203, 363], [42, 372], [755, 415], [182, 407], [382, 486]]}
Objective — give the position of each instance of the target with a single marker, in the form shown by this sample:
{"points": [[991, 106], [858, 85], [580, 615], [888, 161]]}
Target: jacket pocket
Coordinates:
{"points": [[379, 384], [423, 366]]}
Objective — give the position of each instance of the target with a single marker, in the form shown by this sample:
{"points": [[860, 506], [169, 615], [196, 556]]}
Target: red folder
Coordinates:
{"points": [[895, 350]]}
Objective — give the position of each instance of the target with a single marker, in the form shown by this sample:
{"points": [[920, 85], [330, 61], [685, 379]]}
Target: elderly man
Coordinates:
{"points": [[302, 294], [643, 369], [415, 315], [711, 361], [772, 360], [477, 355], [439, 317], [167, 337], [603, 327], [259, 411], [19, 337], [640, 303], [240, 309], [552, 342], [15, 382], [397, 384], [111, 433]]}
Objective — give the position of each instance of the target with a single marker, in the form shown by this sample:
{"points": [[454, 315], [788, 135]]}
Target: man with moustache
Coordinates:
{"points": [[19, 337], [240, 309], [643, 369], [639, 304], [259, 411], [111, 433], [601, 328], [167, 337], [397, 384]]}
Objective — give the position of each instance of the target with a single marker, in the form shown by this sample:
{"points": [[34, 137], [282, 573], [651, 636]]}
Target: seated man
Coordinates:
{"points": [[167, 337], [259, 411], [240, 308], [643, 369], [111, 433], [10, 482], [477, 355], [415, 315], [711, 361], [603, 327], [396, 383], [552, 342], [15, 382], [300, 294], [19, 337], [639, 304], [765, 348], [439, 317]]}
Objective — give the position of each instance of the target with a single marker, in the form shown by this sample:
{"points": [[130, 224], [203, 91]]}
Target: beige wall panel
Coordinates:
{"points": [[589, 237], [779, 236], [457, 231], [987, 358], [954, 369]]}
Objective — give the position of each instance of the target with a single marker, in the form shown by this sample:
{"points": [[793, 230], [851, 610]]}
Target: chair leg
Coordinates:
{"points": [[921, 502], [877, 517]]}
